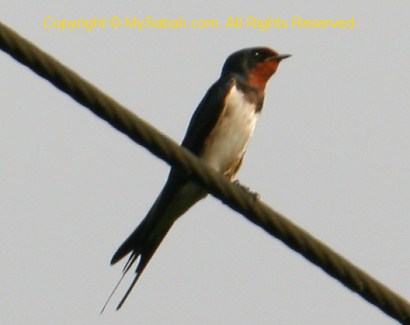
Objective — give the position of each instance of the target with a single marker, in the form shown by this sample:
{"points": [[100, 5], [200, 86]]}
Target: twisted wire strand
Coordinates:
{"points": [[236, 197]]}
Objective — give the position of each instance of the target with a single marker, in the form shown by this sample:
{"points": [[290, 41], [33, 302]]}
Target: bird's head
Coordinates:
{"points": [[254, 65]]}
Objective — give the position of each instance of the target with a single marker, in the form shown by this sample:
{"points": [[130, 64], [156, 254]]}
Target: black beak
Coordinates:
{"points": [[279, 57]]}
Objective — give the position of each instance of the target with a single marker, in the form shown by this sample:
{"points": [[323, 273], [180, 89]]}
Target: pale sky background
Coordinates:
{"points": [[331, 152]]}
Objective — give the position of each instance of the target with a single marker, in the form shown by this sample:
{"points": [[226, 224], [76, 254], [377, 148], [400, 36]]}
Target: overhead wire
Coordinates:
{"points": [[235, 196]]}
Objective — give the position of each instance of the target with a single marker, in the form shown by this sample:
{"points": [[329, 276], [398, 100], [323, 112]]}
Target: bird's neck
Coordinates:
{"points": [[259, 75], [252, 94]]}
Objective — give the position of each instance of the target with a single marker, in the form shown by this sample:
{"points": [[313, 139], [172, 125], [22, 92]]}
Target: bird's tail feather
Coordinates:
{"points": [[142, 247], [145, 256], [145, 239]]}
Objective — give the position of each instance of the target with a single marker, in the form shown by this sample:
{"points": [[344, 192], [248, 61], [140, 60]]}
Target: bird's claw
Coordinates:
{"points": [[255, 195]]}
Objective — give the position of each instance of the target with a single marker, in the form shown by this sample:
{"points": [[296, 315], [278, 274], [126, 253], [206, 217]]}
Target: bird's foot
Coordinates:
{"points": [[255, 195]]}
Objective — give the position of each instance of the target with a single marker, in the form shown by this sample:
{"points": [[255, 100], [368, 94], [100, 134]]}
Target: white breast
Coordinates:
{"points": [[228, 141]]}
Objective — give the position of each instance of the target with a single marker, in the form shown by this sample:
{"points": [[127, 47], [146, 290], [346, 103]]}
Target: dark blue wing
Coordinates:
{"points": [[207, 114]]}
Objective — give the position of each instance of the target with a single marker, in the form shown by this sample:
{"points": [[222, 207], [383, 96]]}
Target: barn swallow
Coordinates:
{"points": [[218, 134]]}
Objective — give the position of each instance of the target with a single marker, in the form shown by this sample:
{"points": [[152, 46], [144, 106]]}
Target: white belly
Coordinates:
{"points": [[228, 141]]}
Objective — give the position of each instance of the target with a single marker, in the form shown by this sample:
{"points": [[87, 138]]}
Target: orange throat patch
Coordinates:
{"points": [[259, 76]]}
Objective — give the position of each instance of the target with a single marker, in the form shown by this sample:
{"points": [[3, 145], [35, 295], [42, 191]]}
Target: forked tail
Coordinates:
{"points": [[174, 200]]}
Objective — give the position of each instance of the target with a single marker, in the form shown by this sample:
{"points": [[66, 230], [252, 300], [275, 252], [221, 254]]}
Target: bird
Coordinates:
{"points": [[218, 133]]}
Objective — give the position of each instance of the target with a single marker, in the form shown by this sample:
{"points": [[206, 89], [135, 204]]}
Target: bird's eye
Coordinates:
{"points": [[256, 53]]}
